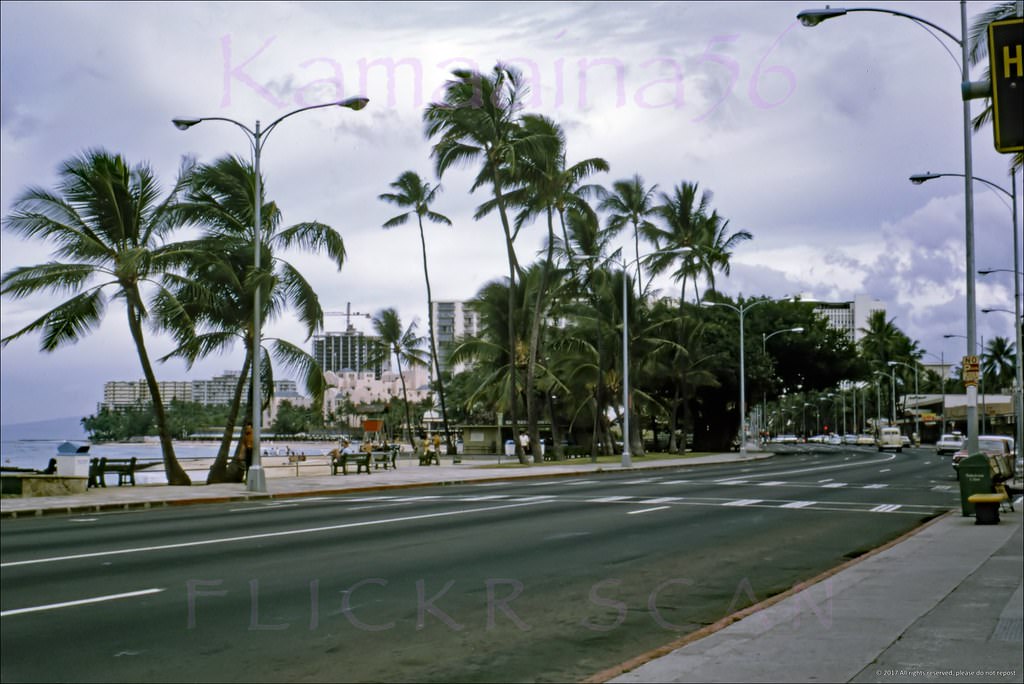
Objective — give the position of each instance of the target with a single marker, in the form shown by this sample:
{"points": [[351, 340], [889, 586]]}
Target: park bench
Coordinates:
{"points": [[430, 456], [341, 460], [388, 459], [124, 467]]}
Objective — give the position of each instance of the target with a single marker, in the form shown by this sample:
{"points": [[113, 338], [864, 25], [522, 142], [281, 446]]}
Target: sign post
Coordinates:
{"points": [[1006, 66]]}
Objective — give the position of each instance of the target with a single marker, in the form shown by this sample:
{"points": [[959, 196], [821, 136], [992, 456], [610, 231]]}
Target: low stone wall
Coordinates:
{"points": [[30, 484]]}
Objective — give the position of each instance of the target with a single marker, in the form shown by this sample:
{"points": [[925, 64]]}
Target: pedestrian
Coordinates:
{"points": [[524, 441], [248, 442]]}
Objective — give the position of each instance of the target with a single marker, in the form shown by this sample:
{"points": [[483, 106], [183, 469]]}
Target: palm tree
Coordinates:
{"points": [[405, 346], [411, 191], [479, 120], [630, 202], [684, 216], [220, 284], [714, 247], [998, 361], [107, 219]]}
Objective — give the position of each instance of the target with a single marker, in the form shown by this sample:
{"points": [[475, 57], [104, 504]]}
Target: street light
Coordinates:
{"points": [[917, 398], [741, 310], [627, 461], [917, 179], [256, 479], [968, 90], [764, 352], [878, 399]]}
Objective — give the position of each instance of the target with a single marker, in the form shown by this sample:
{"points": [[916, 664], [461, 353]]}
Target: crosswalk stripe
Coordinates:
{"points": [[797, 504], [886, 508], [743, 502]]}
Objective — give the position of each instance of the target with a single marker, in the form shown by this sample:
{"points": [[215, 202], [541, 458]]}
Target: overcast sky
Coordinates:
{"points": [[806, 137]]}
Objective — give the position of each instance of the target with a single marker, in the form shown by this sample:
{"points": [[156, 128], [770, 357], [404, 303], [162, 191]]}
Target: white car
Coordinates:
{"points": [[949, 443], [890, 438]]}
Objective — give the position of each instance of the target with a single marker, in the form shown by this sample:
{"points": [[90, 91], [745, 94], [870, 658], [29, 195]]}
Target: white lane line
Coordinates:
{"points": [[270, 535], [875, 486], [579, 482], [644, 480], [80, 602], [674, 482], [886, 508], [731, 481], [836, 485], [483, 497], [773, 483], [609, 499], [885, 470], [743, 502], [829, 479], [798, 504], [83, 519], [534, 499], [664, 499], [647, 510], [261, 509]]}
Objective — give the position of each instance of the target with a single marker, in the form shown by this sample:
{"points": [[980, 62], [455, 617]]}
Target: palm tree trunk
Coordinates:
{"points": [[176, 475], [433, 344], [219, 470], [405, 399]]}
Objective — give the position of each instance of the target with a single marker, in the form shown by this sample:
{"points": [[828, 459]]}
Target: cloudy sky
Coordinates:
{"points": [[806, 137]]}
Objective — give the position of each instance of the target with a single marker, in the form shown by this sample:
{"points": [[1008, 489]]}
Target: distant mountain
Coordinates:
{"points": [[69, 427]]}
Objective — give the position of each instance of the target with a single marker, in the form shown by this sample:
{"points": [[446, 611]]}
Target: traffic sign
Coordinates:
{"points": [[971, 369], [1006, 67]]}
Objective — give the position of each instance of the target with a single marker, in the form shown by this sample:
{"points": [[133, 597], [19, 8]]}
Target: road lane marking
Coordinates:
{"points": [[80, 602], [579, 482], [732, 481], [798, 504], [885, 470], [647, 510], [538, 499], [675, 482], [886, 508], [663, 499], [773, 483], [743, 502], [836, 485], [482, 497], [644, 480], [875, 486], [609, 499], [270, 535]]}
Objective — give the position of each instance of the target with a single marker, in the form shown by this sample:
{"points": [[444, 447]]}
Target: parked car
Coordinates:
{"points": [[949, 443], [905, 440], [889, 438], [865, 440], [850, 439], [785, 439], [997, 448]]}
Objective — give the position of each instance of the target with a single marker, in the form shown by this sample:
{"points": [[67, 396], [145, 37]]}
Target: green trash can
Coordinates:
{"points": [[975, 476]]}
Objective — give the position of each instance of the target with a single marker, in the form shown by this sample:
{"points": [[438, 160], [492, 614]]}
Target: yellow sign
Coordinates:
{"points": [[1006, 66], [971, 369]]}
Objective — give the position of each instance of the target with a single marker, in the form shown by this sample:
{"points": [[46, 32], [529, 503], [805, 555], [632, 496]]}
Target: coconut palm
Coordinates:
{"points": [[479, 120], [108, 221], [405, 345], [413, 192], [220, 282], [684, 216], [998, 359], [630, 203]]}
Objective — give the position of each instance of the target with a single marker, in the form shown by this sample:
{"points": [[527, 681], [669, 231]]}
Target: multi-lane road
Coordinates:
{"points": [[536, 580]]}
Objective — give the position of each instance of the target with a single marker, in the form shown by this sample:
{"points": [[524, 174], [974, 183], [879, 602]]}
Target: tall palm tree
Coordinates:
{"points": [[413, 192], [630, 203], [405, 346], [220, 282], [714, 247], [479, 120], [998, 359], [684, 215], [107, 219]]}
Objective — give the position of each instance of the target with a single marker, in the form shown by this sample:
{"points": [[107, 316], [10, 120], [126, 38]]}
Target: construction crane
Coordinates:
{"points": [[348, 313]]}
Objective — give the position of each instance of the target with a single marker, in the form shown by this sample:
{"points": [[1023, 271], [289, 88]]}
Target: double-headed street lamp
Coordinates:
{"points": [[968, 91], [627, 461], [917, 396], [741, 310], [256, 478]]}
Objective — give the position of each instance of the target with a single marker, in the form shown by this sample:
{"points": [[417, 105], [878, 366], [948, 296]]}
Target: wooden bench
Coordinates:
{"points": [[388, 459], [124, 467], [986, 507], [340, 460], [429, 457]]}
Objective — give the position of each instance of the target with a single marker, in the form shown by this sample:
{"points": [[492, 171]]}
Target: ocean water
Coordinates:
{"points": [[36, 454]]}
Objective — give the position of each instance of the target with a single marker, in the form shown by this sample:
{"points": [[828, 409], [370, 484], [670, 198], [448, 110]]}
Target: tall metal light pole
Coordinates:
{"points": [[741, 310], [967, 91], [919, 178], [627, 461], [917, 426], [257, 137], [764, 352]]}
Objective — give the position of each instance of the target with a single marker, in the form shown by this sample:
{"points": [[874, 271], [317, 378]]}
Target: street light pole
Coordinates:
{"points": [[917, 428], [764, 352], [917, 179], [815, 17], [256, 478]]}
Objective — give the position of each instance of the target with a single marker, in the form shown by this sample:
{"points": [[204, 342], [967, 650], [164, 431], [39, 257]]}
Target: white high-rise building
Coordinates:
{"points": [[850, 317], [452, 321]]}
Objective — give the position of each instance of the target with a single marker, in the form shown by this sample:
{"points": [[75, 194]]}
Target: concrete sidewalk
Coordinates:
{"points": [[941, 604]]}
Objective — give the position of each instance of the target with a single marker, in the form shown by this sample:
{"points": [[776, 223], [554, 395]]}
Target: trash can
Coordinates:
{"points": [[510, 447], [975, 476]]}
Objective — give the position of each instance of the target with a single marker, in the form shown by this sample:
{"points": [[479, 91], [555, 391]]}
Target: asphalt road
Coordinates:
{"points": [[540, 580]]}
